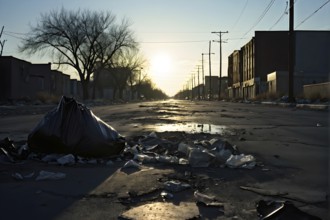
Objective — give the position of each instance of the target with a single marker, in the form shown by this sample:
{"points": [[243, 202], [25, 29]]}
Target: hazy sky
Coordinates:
{"points": [[173, 33]]}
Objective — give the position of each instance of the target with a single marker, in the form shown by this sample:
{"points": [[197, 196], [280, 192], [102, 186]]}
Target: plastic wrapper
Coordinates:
{"points": [[72, 128], [200, 158], [241, 161]]}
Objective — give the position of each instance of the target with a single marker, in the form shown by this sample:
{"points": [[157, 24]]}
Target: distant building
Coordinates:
{"points": [[235, 74], [113, 84], [60, 83], [211, 86], [20, 79]]}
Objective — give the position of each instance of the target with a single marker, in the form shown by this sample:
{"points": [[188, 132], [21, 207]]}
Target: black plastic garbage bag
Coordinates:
{"points": [[73, 128]]}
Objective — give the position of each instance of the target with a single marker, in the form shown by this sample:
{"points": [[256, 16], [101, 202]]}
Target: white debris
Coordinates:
{"points": [[17, 176], [131, 164], [153, 135], [46, 175], [51, 158], [109, 163], [175, 186], [241, 161], [144, 158], [200, 158], [68, 159]]}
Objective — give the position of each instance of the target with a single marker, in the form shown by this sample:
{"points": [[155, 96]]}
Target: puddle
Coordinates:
{"points": [[194, 128], [163, 211]]}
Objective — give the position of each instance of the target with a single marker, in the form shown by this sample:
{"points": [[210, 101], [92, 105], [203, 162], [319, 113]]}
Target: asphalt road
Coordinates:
{"points": [[292, 145]]}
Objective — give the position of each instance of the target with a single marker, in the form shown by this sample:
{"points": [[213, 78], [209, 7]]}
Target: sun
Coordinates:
{"points": [[161, 64]]}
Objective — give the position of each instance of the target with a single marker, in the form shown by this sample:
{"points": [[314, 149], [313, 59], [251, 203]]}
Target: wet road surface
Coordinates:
{"points": [[291, 146]]}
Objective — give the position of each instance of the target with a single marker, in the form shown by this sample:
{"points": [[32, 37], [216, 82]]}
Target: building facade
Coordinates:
{"points": [[267, 53], [20, 79]]}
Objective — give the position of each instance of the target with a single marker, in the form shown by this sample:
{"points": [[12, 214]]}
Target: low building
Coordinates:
{"points": [[317, 91], [20, 79], [60, 83], [211, 86]]}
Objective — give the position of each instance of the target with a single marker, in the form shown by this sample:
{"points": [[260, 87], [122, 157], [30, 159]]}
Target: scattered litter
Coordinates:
{"points": [[153, 135], [19, 176], [167, 159], [166, 195], [92, 161], [144, 158], [184, 148], [241, 161], [109, 163], [49, 158], [46, 175], [68, 159], [207, 200], [131, 164], [7, 155], [204, 153], [29, 175], [281, 210], [183, 161], [200, 158], [175, 186], [203, 197], [12, 153]]}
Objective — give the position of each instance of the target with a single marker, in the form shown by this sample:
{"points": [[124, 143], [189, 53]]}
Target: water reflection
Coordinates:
{"points": [[193, 128]]}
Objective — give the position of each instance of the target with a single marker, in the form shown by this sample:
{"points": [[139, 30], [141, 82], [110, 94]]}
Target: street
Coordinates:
{"points": [[291, 147]]}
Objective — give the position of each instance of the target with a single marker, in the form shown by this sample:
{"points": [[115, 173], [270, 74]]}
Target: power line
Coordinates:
{"points": [[240, 15], [17, 33], [280, 18], [286, 11], [308, 17], [173, 42], [11, 35], [261, 16]]}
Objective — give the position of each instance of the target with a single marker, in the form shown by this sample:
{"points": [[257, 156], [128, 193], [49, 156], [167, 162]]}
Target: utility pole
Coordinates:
{"points": [[210, 90], [291, 51], [2, 43], [199, 94], [219, 33], [209, 54], [192, 88]]}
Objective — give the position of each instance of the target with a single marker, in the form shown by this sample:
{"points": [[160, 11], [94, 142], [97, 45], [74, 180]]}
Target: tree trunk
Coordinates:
{"points": [[132, 92], [114, 94], [94, 88], [85, 89], [121, 93]]}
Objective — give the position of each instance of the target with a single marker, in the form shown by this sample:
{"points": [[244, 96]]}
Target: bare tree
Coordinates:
{"points": [[84, 40], [135, 62]]}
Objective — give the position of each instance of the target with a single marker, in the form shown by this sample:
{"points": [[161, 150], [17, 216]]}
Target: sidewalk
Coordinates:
{"points": [[297, 105]]}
